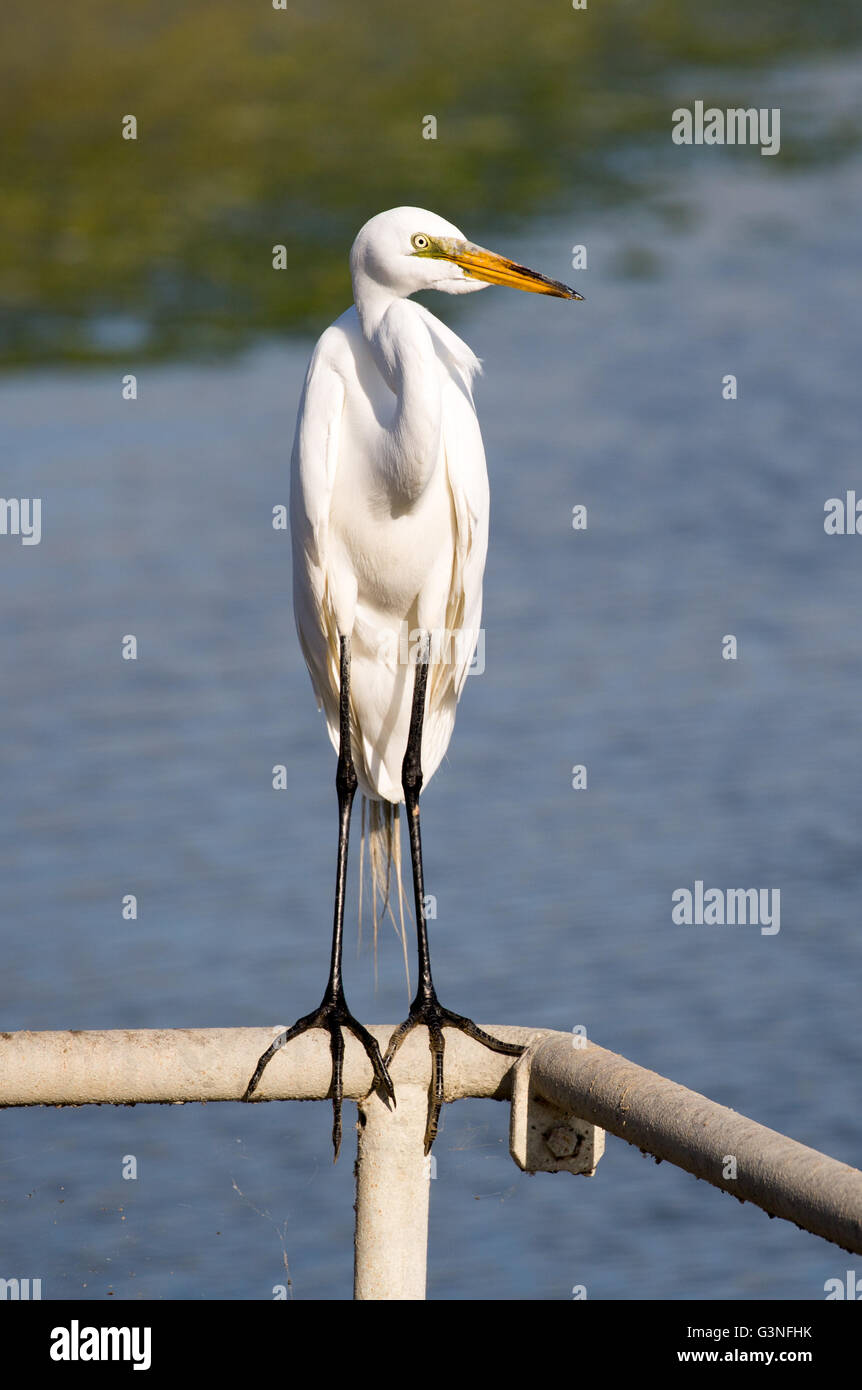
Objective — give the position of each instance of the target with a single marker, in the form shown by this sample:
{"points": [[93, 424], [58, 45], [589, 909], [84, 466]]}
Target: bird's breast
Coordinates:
{"points": [[398, 555]]}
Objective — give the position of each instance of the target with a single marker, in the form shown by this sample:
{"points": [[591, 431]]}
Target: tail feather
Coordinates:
{"points": [[381, 833]]}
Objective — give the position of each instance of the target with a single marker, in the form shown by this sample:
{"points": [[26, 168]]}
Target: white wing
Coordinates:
{"points": [[313, 468], [468, 485], [468, 481]]}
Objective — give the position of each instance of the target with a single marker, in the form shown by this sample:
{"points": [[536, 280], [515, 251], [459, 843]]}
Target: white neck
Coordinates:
{"points": [[406, 358]]}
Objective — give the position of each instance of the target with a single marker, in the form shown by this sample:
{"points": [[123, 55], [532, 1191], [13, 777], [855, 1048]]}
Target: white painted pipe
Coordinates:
{"points": [[119, 1066], [392, 1194], [754, 1163], [783, 1177]]}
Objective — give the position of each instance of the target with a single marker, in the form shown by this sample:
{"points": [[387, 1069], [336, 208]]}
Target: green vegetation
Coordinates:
{"points": [[259, 126]]}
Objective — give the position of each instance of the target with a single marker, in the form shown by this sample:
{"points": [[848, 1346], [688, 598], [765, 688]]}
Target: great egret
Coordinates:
{"points": [[389, 523]]}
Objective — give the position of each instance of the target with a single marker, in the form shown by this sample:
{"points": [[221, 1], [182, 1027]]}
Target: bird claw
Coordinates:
{"points": [[333, 1015], [430, 1012]]}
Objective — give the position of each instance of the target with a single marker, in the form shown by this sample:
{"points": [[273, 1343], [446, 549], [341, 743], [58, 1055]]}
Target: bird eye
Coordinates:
{"points": [[419, 242]]}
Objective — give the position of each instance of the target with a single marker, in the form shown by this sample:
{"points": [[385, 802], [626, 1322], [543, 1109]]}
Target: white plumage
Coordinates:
{"points": [[389, 505]]}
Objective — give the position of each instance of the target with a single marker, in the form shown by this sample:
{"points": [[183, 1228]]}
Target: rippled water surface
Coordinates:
{"points": [[603, 647]]}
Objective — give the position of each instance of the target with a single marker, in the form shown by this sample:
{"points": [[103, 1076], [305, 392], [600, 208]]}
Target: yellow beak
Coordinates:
{"points": [[499, 270]]}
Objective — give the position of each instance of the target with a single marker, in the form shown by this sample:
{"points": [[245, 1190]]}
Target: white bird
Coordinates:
{"points": [[389, 524]]}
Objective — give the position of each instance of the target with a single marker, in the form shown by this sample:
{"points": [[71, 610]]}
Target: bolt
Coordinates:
{"points": [[562, 1141]]}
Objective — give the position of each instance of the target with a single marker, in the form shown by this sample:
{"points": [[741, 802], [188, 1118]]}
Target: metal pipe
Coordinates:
{"points": [[392, 1194], [787, 1179], [783, 1177], [123, 1066]]}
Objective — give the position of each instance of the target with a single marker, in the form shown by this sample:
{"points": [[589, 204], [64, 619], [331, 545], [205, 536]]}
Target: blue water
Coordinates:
{"points": [[603, 647]]}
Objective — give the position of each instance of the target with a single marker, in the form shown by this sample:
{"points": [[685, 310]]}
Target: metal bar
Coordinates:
{"points": [[392, 1194], [120, 1066], [783, 1177]]}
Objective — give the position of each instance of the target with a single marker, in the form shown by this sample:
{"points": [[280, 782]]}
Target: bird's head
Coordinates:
{"points": [[409, 249]]}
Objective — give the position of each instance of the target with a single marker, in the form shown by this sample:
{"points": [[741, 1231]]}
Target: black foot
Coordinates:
{"points": [[429, 1011], [333, 1015]]}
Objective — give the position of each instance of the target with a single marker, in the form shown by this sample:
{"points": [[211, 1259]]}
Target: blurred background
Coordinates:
{"points": [[603, 647]]}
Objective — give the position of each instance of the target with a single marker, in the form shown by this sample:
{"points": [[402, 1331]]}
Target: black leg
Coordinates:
{"points": [[425, 1007], [333, 1014]]}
